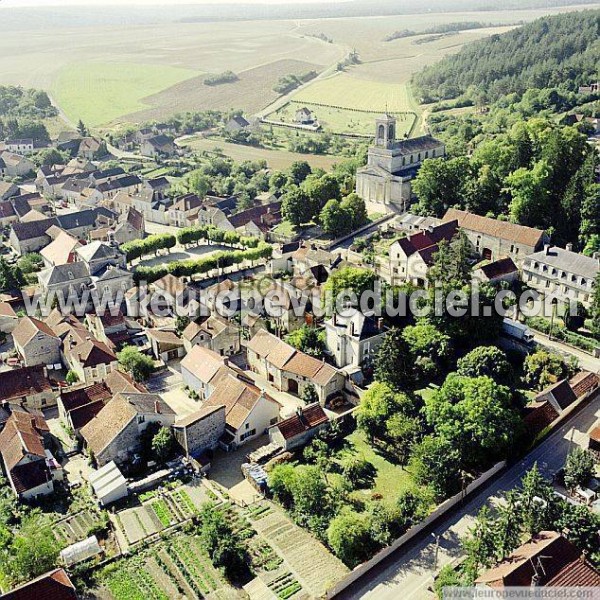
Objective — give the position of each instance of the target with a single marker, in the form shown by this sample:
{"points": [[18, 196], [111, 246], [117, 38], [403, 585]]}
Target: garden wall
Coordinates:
{"points": [[443, 508]]}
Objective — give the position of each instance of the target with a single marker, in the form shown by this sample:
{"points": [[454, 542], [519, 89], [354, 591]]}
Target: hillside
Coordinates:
{"points": [[561, 51]]}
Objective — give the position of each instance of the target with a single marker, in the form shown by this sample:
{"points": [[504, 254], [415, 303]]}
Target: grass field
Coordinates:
{"points": [[98, 93], [391, 479], [340, 120], [276, 159]]}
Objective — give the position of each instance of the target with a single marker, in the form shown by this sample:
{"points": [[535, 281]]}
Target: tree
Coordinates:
{"points": [[413, 506], [309, 394], [354, 280], [71, 377], [543, 368], [479, 545], [574, 316], [486, 361], [50, 157], [33, 550], [162, 444], [11, 278], [579, 468], [535, 500], [394, 364], [436, 463], [299, 171], [355, 207], [30, 263], [349, 537], [475, 415], [281, 483], [320, 190], [334, 219], [429, 347], [309, 340], [82, 129], [198, 183], [296, 207], [134, 362], [378, 405], [359, 472]]}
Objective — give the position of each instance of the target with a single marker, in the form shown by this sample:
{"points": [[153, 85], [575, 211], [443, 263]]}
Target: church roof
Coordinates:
{"points": [[418, 144]]}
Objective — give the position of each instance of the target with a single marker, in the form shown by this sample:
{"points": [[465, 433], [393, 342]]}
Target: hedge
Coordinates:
{"points": [[205, 264], [561, 333]]}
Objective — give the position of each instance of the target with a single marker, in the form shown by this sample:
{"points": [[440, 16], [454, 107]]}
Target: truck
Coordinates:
{"points": [[518, 331]]}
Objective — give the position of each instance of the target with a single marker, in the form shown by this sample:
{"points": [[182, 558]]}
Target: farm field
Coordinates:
{"points": [[276, 159], [340, 120], [98, 93]]}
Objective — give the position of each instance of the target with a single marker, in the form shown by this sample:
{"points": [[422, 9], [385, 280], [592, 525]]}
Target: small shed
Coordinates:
{"points": [[108, 484], [76, 553]]}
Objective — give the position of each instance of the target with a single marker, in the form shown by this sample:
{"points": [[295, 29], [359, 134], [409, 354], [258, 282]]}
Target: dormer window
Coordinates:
{"points": [[70, 274]]}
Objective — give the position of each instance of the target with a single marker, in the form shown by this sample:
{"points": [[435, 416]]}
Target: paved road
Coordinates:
{"points": [[586, 361], [408, 576]]}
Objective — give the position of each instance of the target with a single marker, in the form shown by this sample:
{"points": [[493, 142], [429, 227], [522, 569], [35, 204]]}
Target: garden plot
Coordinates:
{"points": [[175, 568], [315, 568], [77, 527]]}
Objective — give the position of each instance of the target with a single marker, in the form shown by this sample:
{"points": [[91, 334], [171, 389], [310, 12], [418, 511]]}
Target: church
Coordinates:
{"points": [[385, 182]]}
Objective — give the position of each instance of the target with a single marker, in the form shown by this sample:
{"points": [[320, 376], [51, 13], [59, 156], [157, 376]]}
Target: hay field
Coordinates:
{"points": [[98, 93], [251, 92]]}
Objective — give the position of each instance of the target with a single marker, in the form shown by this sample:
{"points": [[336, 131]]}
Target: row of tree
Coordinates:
{"points": [[209, 233], [149, 245]]}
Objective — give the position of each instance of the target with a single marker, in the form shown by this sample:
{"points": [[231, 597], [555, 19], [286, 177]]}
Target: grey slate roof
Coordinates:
{"points": [[418, 144], [570, 262], [64, 273]]}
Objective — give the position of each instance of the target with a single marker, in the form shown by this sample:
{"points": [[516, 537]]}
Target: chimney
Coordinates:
{"points": [[569, 247], [547, 249], [380, 324], [157, 407]]}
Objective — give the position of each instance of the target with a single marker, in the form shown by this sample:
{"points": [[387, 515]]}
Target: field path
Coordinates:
{"points": [[61, 113]]}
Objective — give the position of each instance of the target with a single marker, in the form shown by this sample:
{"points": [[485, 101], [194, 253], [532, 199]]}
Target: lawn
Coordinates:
{"points": [[98, 93], [342, 120], [347, 91], [391, 479], [276, 159]]}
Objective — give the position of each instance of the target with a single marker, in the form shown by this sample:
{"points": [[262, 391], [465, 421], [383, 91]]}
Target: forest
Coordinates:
{"points": [[22, 112], [562, 51]]}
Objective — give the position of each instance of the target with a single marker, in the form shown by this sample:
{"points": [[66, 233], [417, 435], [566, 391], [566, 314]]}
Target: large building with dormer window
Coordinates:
{"points": [[385, 182], [562, 273]]}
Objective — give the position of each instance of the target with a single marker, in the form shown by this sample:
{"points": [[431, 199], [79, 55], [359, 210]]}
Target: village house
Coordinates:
{"points": [[36, 343], [54, 585], [385, 183], [199, 368], [493, 239], [548, 559], [503, 269], [201, 431], [258, 220], [108, 328], [304, 116], [23, 450], [8, 190], [8, 318], [308, 256], [562, 274], [15, 165], [159, 146], [130, 184], [184, 211], [78, 405], [89, 359], [61, 250], [290, 370], [91, 148], [215, 333], [8, 214], [22, 146], [299, 429], [249, 411], [154, 206], [114, 434], [28, 387], [353, 341], [411, 257], [236, 123], [165, 345]]}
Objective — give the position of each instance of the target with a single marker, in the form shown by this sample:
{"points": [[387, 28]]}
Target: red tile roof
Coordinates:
{"points": [[304, 420], [578, 573], [21, 383], [73, 399], [583, 382], [54, 585]]}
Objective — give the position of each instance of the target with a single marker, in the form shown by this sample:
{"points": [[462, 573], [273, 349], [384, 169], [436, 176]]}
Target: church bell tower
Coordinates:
{"points": [[385, 132]]}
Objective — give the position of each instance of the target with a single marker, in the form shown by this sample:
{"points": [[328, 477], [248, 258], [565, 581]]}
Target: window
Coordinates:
{"points": [[273, 421], [247, 434], [247, 425]]}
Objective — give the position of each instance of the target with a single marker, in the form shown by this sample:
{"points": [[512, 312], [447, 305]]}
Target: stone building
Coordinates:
{"points": [[201, 430], [385, 182], [493, 239], [36, 343]]}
